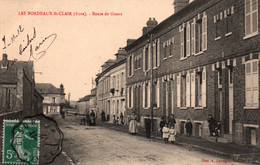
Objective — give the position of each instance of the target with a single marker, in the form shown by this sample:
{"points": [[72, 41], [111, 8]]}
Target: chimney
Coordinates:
{"points": [[129, 41], [61, 89], [144, 30], [151, 23], [121, 54], [179, 4], [4, 61]]}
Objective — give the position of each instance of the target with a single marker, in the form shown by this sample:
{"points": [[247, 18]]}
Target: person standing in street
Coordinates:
{"points": [[103, 116], [172, 121], [121, 119], [133, 129], [148, 127], [162, 123], [188, 127], [172, 135], [92, 118], [165, 131], [212, 125]]}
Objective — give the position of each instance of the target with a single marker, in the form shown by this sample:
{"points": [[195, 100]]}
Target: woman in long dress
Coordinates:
{"points": [[133, 129]]}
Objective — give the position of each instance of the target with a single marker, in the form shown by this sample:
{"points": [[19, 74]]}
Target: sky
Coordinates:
{"points": [[70, 49]]}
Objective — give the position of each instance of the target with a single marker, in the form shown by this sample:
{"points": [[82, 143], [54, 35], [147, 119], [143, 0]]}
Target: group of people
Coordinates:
{"points": [[214, 126], [91, 118], [167, 129]]}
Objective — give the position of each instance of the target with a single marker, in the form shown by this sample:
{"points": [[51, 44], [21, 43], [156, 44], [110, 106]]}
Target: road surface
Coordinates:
{"points": [[88, 145]]}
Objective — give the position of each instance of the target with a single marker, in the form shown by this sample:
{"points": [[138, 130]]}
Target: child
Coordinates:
{"points": [[218, 129], [172, 133], [188, 127], [165, 131]]}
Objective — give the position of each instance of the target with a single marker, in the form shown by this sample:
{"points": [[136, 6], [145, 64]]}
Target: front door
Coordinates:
{"points": [[253, 136], [231, 96]]}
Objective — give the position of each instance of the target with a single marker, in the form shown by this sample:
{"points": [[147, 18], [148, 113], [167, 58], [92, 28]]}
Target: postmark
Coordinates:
{"points": [[21, 142]]}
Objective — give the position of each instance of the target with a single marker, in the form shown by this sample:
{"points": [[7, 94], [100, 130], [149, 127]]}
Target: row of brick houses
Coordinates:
{"points": [[203, 59]]}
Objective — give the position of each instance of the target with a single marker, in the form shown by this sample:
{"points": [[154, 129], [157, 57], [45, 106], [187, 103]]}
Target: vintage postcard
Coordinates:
{"points": [[129, 82]]}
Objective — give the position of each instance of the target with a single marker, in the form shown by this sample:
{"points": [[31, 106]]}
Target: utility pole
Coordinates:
{"points": [[151, 90]]}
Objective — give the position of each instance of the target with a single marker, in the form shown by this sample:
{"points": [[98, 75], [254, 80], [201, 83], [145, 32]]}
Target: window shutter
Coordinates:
{"points": [[193, 89], [154, 55], [193, 37], [204, 87], [128, 72], [149, 57], [188, 40], [188, 90], [127, 97], [158, 93], [182, 43], [204, 33], [158, 51], [247, 17], [254, 16], [143, 95], [248, 85], [132, 65], [144, 59], [132, 96], [255, 83], [148, 94], [178, 92]]}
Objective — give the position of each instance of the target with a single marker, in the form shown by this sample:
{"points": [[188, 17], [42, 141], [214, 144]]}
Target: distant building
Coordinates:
{"points": [[18, 96], [111, 87], [54, 98], [86, 104]]}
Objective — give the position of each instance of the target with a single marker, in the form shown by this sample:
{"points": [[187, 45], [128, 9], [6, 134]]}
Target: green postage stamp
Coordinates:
{"points": [[21, 142]]}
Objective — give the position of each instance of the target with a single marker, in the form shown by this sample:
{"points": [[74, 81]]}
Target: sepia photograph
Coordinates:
{"points": [[120, 82]]}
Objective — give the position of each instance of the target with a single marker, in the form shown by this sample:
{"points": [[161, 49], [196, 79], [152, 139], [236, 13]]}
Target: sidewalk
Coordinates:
{"points": [[235, 152]]}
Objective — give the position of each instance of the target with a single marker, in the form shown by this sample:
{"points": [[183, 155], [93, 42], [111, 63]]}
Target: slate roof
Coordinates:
{"points": [[47, 88], [85, 98]]}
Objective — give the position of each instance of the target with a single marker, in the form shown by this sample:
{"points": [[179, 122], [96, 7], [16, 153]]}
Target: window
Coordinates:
{"points": [[201, 33], [183, 43], [198, 35], [251, 17], [156, 53], [146, 59], [146, 95], [136, 62], [230, 79], [53, 99], [130, 65], [251, 83], [198, 89], [220, 78], [171, 47], [139, 62], [157, 93], [217, 25], [165, 45], [183, 91], [130, 97], [228, 20], [117, 83], [187, 41], [193, 37]]}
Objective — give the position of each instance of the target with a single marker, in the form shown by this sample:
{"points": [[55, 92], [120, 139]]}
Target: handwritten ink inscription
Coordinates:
{"points": [[36, 46]]}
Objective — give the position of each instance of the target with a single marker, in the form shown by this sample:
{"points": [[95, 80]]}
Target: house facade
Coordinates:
{"points": [[111, 87], [18, 96], [86, 104], [203, 59], [54, 98]]}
